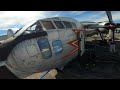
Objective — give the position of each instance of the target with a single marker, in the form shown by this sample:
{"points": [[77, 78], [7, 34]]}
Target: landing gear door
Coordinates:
{"points": [[82, 43]]}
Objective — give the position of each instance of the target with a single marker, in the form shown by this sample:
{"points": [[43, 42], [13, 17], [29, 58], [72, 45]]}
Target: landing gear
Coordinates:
{"points": [[103, 42], [88, 62], [92, 60], [117, 67], [112, 46], [60, 68]]}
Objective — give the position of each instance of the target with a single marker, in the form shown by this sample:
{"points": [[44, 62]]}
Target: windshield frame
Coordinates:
{"points": [[23, 29]]}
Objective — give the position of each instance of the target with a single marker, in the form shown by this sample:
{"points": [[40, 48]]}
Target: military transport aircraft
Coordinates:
{"points": [[48, 44]]}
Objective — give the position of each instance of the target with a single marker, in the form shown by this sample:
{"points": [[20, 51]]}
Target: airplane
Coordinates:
{"points": [[48, 44]]}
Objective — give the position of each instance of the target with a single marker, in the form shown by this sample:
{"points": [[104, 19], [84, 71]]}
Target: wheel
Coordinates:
{"points": [[60, 68]]}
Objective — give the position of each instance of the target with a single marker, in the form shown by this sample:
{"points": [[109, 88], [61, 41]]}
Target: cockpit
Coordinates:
{"points": [[36, 27], [33, 30], [48, 25]]}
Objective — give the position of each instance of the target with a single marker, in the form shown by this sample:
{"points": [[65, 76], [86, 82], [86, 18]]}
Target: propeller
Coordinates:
{"points": [[111, 25], [109, 17]]}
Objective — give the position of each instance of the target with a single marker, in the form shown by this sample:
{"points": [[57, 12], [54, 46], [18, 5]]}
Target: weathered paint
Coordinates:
{"points": [[26, 58]]}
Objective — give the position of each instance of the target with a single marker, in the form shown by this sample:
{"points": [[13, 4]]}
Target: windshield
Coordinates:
{"points": [[18, 30], [23, 29]]}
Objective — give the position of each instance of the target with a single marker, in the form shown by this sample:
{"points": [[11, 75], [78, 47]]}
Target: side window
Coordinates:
{"points": [[57, 47], [48, 25], [45, 49], [67, 24], [74, 25], [59, 24]]}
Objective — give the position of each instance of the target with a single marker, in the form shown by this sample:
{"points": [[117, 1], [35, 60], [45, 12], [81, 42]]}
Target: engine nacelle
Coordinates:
{"points": [[102, 24]]}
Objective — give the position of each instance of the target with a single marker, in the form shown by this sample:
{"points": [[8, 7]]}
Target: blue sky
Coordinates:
{"points": [[16, 19]]}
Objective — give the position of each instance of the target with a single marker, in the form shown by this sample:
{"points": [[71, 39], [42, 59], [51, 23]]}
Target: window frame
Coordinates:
{"points": [[67, 22], [61, 23]]}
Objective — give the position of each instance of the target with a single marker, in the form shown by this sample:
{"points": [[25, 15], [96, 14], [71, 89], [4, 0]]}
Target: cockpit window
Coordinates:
{"points": [[67, 24], [36, 27], [48, 25], [33, 27], [59, 24]]}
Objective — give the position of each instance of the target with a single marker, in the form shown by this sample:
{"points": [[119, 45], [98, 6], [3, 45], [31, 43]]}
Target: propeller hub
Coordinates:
{"points": [[110, 26]]}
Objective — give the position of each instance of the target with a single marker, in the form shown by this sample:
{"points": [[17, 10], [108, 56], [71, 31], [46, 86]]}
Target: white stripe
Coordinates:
{"points": [[73, 51], [75, 42]]}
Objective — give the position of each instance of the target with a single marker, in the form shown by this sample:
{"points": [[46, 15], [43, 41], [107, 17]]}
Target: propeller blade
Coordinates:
{"points": [[109, 16], [113, 35]]}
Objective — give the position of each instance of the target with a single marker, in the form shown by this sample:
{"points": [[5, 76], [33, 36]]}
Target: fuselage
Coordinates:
{"points": [[55, 49]]}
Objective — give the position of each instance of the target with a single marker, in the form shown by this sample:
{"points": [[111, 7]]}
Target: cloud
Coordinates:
{"points": [[16, 19], [115, 15], [75, 13], [9, 18], [90, 16]]}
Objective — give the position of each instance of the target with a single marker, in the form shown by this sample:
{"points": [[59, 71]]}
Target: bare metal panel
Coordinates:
{"points": [[26, 58]]}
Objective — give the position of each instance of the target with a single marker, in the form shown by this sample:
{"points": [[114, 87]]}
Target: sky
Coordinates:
{"points": [[16, 19]]}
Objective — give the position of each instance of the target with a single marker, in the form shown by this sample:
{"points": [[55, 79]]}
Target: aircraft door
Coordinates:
{"points": [[82, 43]]}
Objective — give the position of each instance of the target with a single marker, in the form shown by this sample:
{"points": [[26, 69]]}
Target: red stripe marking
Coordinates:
{"points": [[73, 43]]}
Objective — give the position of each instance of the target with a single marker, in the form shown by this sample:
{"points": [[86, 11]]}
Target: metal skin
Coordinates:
{"points": [[92, 28], [26, 59]]}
